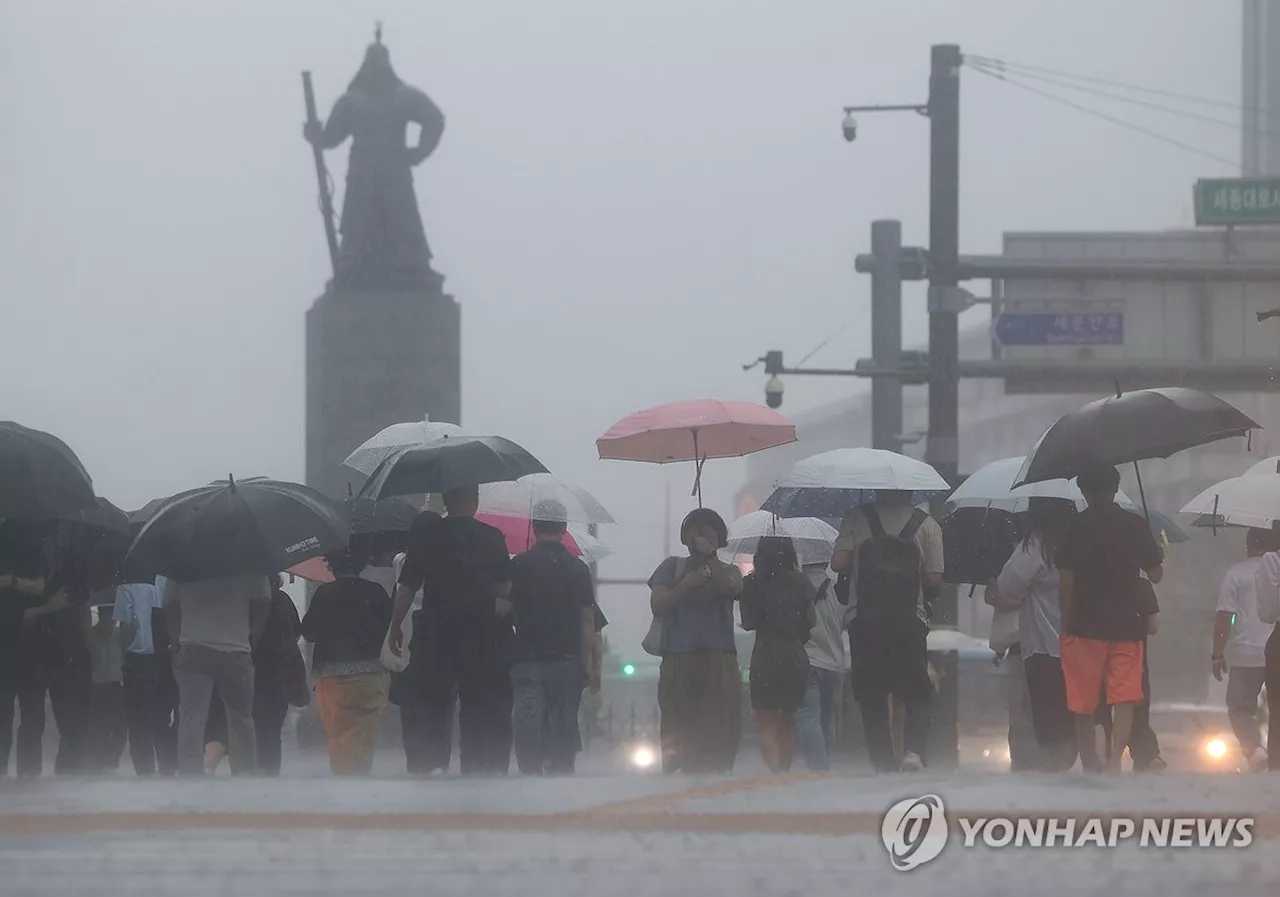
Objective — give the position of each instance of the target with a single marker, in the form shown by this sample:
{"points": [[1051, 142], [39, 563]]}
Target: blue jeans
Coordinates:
{"points": [[544, 721], [816, 718]]}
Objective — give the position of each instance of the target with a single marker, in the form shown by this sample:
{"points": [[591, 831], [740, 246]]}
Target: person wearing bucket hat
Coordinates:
{"points": [[699, 683], [553, 610]]}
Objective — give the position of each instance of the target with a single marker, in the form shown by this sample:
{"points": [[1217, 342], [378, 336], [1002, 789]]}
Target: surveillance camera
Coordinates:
{"points": [[850, 127], [773, 392]]}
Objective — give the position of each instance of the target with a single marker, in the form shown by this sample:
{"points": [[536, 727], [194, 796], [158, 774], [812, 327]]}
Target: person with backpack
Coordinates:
{"points": [[777, 604], [699, 684], [889, 557]]}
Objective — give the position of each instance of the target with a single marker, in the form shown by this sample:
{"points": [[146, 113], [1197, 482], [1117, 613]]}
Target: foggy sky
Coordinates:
{"points": [[630, 201]]}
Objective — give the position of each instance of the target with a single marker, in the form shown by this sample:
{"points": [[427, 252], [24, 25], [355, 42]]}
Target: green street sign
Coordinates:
{"points": [[1232, 201]]}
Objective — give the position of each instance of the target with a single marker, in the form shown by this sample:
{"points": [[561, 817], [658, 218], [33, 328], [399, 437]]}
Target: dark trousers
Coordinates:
{"points": [[484, 715], [544, 720], [30, 731], [892, 660], [1144, 746], [69, 686], [270, 707], [107, 727], [427, 695], [151, 709], [449, 666]]}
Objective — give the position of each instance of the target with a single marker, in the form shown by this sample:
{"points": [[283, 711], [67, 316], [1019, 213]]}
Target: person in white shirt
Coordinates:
{"points": [[1268, 591], [828, 651], [1029, 582], [1239, 647]]}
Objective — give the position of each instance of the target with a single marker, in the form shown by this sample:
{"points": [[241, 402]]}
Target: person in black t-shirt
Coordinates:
{"points": [[22, 586], [55, 660], [347, 622], [1105, 606], [463, 569], [554, 612]]}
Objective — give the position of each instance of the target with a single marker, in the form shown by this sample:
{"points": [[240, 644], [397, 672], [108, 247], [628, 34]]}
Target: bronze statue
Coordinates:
{"points": [[383, 244]]}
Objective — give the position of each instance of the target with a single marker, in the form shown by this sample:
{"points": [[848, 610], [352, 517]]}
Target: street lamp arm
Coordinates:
{"points": [[921, 108]]}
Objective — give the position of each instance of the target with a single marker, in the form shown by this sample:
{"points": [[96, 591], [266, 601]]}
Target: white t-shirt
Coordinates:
{"points": [[1247, 643], [397, 567], [1027, 580], [828, 648], [1267, 582], [215, 612]]}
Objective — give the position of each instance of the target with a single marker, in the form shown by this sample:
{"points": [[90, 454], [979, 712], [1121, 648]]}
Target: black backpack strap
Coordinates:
{"points": [[917, 520], [872, 516]]}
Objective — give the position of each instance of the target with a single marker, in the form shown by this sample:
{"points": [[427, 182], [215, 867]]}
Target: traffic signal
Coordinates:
{"points": [[628, 669]]}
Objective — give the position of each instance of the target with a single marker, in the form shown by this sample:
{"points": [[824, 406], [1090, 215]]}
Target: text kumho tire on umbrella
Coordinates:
{"points": [[234, 528]]}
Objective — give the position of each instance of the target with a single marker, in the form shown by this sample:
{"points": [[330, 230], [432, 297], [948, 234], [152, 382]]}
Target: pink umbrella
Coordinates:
{"points": [[519, 534], [315, 570], [695, 431]]}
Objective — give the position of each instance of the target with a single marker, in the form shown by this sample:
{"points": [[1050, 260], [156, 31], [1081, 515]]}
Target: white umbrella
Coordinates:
{"points": [[1240, 501], [593, 550], [812, 537], [863, 468], [990, 486], [1266, 465], [377, 448], [519, 498]]}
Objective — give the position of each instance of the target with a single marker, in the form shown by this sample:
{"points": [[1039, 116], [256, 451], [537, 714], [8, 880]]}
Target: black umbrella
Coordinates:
{"points": [[977, 542], [232, 528], [100, 536], [370, 517], [379, 526], [1134, 426], [40, 477], [451, 463]]}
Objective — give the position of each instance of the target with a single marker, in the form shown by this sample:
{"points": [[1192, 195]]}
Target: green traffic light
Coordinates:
{"points": [[628, 669]]}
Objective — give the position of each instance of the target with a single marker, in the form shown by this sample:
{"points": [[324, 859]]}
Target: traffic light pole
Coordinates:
{"points": [[886, 333], [942, 449]]}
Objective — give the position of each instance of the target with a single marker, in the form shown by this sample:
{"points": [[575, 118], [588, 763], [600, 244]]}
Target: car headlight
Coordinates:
{"points": [[643, 756], [1215, 747]]}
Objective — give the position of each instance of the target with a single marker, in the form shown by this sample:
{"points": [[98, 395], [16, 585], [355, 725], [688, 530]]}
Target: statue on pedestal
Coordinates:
{"points": [[383, 244]]}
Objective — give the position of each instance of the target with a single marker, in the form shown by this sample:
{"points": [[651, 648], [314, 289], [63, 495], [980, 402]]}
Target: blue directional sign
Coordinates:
{"points": [[1065, 329]]}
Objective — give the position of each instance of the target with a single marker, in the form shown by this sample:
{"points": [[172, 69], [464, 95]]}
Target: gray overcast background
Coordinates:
{"points": [[631, 200]]}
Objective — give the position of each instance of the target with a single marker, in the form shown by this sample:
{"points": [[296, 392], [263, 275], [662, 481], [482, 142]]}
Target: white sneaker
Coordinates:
{"points": [[911, 762], [1258, 760]]}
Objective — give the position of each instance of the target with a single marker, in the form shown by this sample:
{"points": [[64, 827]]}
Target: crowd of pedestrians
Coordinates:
{"points": [[454, 627]]}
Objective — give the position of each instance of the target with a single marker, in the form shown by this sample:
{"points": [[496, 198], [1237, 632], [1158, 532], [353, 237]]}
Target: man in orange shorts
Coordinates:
{"points": [[1104, 614]]}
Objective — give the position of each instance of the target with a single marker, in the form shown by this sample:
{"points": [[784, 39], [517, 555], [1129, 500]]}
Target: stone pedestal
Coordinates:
{"points": [[376, 359]]}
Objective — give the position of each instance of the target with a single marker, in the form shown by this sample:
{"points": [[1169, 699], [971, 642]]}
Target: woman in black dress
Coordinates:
{"points": [[777, 602]]}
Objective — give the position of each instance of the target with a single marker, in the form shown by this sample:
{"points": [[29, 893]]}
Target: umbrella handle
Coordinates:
{"points": [[697, 480], [1142, 493], [698, 461]]}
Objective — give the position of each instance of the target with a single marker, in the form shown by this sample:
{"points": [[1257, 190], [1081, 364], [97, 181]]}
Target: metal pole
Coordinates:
{"points": [[944, 249], [943, 449], [886, 333]]}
